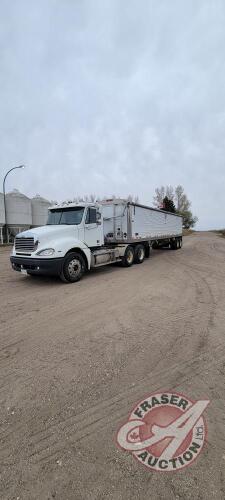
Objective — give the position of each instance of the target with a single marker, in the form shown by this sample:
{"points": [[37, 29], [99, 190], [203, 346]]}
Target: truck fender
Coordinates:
{"points": [[66, 245], [85, 252]]}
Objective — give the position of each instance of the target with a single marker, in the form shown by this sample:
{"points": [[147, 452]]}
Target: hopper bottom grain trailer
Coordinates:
{"points": [[78, 237]]}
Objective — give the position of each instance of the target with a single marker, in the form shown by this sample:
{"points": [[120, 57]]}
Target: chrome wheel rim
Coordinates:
{"points": [[141, 254], [129, 256], [74, 268]]}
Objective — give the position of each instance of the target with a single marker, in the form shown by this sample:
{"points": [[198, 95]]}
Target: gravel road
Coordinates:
{"points": [[74, 360]]}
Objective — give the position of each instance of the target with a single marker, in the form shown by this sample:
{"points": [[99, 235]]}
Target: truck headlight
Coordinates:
{"points": [[46, 251]]}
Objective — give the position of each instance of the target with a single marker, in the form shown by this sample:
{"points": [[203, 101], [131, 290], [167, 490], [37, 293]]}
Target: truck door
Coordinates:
{"points": [[93, 230]]}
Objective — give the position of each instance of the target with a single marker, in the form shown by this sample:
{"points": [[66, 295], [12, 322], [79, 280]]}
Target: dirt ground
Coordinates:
{"points": [[74, 360]]}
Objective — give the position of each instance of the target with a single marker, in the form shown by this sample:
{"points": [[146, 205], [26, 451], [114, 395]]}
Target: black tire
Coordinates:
{"points": [[147, 251], [128, 258], [174, 244], [73, 268], [139, 254], [180, 243]]}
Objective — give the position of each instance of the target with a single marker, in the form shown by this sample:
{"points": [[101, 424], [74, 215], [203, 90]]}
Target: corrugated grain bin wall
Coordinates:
{"points": [[18, 209], [2, 211], [39, 210]]}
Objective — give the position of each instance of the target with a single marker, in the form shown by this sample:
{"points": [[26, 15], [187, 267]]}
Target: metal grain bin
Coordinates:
{"points": [[2, 211], [39, 210], [2, 216], [18, 212]]}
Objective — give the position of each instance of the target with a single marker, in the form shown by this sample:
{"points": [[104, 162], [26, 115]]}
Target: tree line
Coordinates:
{"points": [[176, 201]]}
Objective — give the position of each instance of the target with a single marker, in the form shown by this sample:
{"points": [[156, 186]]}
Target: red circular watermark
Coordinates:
{"points": [[165, 431]]}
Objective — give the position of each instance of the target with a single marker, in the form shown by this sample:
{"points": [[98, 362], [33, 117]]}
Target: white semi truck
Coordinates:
{"points": [[78, 237]]}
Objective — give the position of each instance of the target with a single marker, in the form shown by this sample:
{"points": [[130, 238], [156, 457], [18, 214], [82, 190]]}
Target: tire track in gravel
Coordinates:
{"points": [[80, 432], [202, 305], [86, 419], [82, 425], [40, 444]]}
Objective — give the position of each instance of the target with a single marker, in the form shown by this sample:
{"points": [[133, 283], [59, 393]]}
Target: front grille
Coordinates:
{"points": [[24, 244]]}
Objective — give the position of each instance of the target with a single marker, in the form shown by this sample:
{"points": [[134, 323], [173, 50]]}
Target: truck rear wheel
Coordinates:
{"points": [[147, 251], [128, 258], [139, 254], [174, 245], [73, 268]]}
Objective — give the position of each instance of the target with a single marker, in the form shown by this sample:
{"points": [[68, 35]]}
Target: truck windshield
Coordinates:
{"points": [[71, 216]]}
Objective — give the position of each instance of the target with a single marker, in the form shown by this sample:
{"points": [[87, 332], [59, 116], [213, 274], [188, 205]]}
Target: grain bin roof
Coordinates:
{"points": [[38, 197], [15, 193]]}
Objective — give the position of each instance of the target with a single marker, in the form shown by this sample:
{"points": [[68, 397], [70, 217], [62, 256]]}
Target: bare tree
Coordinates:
{"points": [[159, 196], [161, 193], [181, 201], [91, 198], [131, 198], [170, 192]]}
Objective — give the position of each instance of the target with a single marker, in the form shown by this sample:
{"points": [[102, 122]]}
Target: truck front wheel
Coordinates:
{"points": [[73, 268], [139, 254], [128, 258]]}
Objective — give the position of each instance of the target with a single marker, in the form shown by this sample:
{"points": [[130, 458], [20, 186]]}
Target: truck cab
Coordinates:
{"points": [[85, 222], [70, 228]]}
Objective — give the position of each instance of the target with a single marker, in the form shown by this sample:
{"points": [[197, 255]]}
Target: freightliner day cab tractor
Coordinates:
{"points": [[79, 237]]}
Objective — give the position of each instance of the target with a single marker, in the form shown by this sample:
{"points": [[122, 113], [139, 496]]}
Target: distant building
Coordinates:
{"points": [[2, 216], [39, 208], [22, 213]]}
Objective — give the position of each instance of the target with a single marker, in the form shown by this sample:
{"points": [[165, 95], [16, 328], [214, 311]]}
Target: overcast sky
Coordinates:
{"points": [[115, 97]]}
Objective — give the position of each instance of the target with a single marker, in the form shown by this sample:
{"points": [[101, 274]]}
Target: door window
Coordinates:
{"points": [[91, 216]]}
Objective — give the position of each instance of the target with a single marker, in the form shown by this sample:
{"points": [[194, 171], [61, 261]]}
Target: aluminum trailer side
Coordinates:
{"points": [[126, 222]]}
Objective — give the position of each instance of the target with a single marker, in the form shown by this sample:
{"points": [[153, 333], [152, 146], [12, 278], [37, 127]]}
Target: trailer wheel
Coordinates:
{"points": [[174, 245], [180, 243], [147, 251], [139, 254], [128, 258], [73, 268]]}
